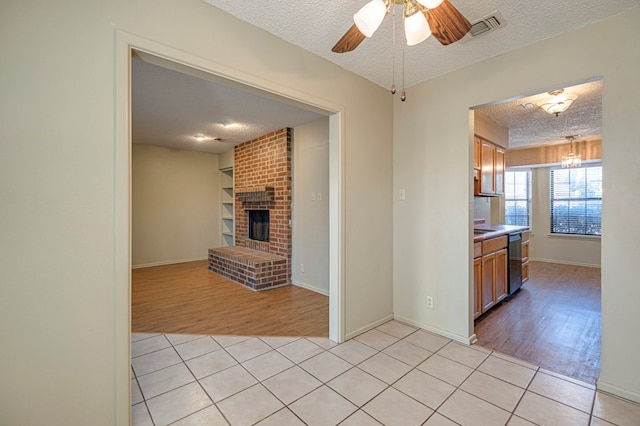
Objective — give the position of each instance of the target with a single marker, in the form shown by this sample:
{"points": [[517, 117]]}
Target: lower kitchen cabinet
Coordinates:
{"points": [[525, 257], [490, 279], [477, 295], [486, 284], [501, 277]]}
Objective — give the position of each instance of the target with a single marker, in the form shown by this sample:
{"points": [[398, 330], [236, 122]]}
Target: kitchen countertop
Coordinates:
{"points": [[496, 231]]}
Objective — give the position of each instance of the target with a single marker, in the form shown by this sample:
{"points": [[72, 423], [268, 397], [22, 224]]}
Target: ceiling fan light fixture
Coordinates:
{"points": [[431, 4], [370, 16], [416, 27]]}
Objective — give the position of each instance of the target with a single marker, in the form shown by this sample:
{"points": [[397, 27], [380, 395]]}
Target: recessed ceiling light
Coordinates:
{"points": [[527, 105], [200, 138]]}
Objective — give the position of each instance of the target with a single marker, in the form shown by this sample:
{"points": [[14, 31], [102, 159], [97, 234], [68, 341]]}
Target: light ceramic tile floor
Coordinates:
{"points": [[392, 375]]}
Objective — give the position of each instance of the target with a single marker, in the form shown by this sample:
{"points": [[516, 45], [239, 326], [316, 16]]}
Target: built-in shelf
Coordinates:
{"points": [[226, 207]]}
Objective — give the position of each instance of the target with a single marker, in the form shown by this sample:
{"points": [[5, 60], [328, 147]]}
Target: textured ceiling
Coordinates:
{"points": [[316, 25], [534, 126], [171, 104]]}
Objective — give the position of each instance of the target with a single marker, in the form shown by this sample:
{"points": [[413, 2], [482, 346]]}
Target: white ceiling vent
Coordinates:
{"points": [[491, 22]]}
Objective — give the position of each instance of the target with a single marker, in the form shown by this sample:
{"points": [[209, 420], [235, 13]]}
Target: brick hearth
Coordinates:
{"points": [[262, 181], [251, 268]]}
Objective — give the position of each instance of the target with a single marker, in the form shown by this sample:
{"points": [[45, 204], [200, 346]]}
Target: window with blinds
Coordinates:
{"points": [[517, 197], [576, 201]]}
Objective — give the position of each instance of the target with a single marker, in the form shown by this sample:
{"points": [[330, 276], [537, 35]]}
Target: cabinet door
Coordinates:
{"points": [[499, 167], [525, 251], [477, 146], [501, 275], [525, 272], [487, 157], [488, 276], [477, 287]]}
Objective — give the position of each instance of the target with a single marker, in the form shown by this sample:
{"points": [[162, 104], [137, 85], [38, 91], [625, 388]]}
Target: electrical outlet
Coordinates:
{"points": [[430, 302], [319, 197], [302, 268], [313, 196], [402, 194]]}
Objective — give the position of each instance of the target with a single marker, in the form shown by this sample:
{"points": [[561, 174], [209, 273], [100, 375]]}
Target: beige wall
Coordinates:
{"points": [[432, 249], [311, 206], [490, 130], [175, 205], [64, 252], [225, 160]]}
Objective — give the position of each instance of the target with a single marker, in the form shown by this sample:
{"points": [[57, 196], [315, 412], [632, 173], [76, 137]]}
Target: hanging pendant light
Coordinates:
{"points": [[571, 160]]}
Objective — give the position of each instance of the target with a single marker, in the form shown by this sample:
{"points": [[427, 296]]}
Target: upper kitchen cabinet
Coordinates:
{"points": [[489, 159], [490, 175]]}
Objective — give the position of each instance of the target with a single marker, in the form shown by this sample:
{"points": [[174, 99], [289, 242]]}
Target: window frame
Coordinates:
{"points": [[568, 199], [528, 200]]}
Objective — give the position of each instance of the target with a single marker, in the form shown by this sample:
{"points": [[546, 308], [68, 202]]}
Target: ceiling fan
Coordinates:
{"points": [[421, 19]]}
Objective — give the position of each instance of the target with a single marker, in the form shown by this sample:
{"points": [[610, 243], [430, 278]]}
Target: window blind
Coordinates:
{"points": [[576, 201], [517, 197]]}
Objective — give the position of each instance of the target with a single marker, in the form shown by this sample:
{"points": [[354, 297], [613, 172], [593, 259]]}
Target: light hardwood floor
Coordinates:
{"points": [[186, 298], [553, 321]]}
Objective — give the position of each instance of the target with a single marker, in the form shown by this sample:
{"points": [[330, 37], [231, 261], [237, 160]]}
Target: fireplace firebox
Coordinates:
{"points": [[258, 225]]}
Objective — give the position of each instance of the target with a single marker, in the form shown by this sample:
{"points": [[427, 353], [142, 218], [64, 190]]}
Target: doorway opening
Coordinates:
{"points": [[553, 320], [128, 45]]}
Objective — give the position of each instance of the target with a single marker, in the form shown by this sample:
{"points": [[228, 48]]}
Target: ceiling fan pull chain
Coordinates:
{"points": [[393, 48], [403, 96]]}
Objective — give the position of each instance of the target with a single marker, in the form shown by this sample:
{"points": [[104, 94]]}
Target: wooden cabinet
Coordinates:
{"points": [[525, 256], [486, 286], [477, 279], [490, 275], [498, 170], [477, 146], [501, 277], [227, 208], [489, 166]]}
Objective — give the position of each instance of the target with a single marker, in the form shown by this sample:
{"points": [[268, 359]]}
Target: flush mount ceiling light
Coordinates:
{"points": [[558, 102], [571, 160], [421, 19], [203, 138]]}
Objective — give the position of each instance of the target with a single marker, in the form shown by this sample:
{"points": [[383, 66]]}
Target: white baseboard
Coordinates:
{"points": [[616, 391], [460, 339], [167, 262], [312, 288], [368, 327], [565, 262]]}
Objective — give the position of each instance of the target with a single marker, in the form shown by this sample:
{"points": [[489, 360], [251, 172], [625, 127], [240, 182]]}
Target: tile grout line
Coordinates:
{"points": [[537, 371]]}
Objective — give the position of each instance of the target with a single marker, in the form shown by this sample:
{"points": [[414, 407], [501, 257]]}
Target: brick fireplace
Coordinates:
{"points": [[262, 183]]}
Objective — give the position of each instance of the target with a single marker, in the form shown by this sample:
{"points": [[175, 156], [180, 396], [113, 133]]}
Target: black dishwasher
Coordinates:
{"points": [[515, 261]]}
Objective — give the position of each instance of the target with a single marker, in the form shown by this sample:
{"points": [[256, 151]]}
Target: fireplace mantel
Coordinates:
{"points": [[255, 193]]}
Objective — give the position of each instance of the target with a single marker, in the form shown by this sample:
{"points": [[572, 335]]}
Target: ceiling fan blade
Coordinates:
{"points": [[447, 24], [349, 41]]}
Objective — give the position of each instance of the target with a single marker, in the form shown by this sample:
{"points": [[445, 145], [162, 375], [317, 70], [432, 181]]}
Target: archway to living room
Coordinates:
{"points": [[162, 176]]}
